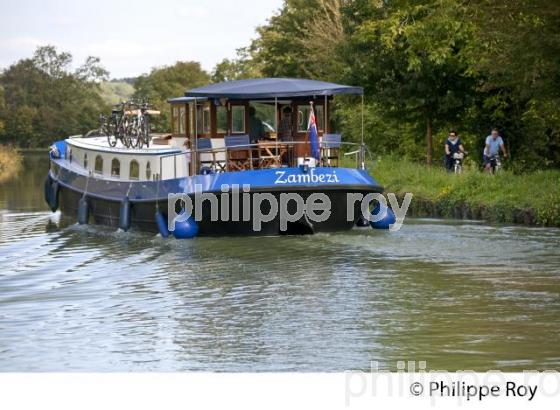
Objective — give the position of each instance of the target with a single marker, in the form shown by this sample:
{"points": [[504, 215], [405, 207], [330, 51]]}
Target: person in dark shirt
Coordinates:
{"points": [[285, 126], [256, 127], [453, 145]]}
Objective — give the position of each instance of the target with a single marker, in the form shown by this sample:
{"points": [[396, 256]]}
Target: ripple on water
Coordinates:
{"points": [[456, 295]]}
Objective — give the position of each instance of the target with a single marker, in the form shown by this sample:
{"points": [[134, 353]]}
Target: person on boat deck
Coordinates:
{"points": [[256, 127], [453, 145], [285, 126], [494, 143]]}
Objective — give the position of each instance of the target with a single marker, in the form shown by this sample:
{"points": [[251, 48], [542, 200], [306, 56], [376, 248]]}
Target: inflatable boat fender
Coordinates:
{"points": [[83, 211]]}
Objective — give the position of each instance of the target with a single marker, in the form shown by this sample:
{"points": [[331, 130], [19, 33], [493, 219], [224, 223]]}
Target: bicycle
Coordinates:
{"points": [[117, 126], [458, 161], [495, 163], [140, 133], [103, 130]]}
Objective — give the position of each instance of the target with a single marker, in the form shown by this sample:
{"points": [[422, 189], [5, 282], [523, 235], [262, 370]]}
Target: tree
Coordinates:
{"points": [[44, 100], [302, 40], [241, 67], [518, 59], [411, 58], [426, 66], [166, 82]]}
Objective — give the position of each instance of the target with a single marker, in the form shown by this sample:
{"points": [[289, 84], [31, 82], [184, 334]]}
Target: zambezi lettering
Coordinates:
{"points": [[310, 178]]}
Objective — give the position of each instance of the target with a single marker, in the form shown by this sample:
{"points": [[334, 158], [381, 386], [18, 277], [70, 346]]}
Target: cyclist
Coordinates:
{"points": [[453, 145], [494, 143]]}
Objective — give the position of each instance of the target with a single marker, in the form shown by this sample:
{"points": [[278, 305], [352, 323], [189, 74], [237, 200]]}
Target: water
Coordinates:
{"points": [[458, 295]]}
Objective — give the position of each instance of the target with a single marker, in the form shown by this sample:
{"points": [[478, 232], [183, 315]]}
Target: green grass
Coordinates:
{"points": [[114, 92], [532, 198]]}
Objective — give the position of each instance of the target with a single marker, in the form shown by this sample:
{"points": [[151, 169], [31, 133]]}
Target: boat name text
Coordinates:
{"points": [[311, 177]]}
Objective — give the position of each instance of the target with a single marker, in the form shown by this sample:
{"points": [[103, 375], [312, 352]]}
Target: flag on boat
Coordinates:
{"points": [[313, 135]]}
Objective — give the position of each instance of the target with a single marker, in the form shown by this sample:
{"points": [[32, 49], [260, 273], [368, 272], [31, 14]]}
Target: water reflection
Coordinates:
{"points": [[89, 298]]}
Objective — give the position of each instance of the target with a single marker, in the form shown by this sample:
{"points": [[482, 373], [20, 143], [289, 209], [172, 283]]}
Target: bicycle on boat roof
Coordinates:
{"points": [[117, 126], [140, 126], [129, 122]]}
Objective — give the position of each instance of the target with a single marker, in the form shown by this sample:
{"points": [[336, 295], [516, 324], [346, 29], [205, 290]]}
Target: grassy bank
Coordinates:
{"points": [[532, 198], [10, 162]]}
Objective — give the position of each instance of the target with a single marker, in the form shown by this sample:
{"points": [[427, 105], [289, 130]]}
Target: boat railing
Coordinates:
{"points": [[261, 155]]}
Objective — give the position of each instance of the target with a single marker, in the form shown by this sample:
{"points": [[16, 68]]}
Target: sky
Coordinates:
{"points": [[130, 37]]}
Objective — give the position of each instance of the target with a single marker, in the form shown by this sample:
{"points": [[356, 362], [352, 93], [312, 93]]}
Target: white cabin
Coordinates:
{"points": [[166, 159]]}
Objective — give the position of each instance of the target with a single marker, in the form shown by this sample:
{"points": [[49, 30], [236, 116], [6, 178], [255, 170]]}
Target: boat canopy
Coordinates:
{"points": [[258, 88], [183, 100]]}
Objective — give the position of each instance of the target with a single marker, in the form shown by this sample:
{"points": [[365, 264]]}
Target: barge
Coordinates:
{"points": [[236, 140]]}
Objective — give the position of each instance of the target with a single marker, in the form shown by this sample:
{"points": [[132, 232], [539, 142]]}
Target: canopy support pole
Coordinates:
{"points": [[194, 149], [325, 125], [276, 123], [362, 148]]}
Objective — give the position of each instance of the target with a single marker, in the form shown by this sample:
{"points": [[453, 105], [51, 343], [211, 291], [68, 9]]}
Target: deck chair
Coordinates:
{"points": [[239, 154], [330, 149], [205, 155], [218, 147]]}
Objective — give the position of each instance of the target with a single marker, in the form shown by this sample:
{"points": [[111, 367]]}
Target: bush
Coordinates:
{"points": [[10, 162]]}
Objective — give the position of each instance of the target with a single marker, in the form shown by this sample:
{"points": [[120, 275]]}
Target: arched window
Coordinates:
{"points": [[85, 160], [134, 169], [99, 164], [115, 168], [148, 171]]}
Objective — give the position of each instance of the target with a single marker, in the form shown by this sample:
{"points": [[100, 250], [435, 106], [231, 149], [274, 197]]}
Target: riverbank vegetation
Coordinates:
{"points": [[42, 99], [426, 66], [116, 91], [532, 198], [10, 162], [163, 83]]}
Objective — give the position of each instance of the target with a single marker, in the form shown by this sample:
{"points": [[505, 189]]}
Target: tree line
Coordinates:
{"points": [[42, 99], [426, 66]]}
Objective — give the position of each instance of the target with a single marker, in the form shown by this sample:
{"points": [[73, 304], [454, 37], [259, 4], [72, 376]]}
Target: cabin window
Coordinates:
{"points": [[182, 118], [238, 118], [85, 160], [191, 119], [221, 119], [99, 164], [148, 171], [115, 168], [303, 117], [174, 119], [203, 119], [206, 120], [265, 113], [70, 154], [134, 171]]}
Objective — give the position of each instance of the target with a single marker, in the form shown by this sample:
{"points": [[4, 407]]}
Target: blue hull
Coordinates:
{"points": [[105, 195]]}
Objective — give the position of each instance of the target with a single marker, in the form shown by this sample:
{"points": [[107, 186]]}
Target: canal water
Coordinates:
{"points": [[457, 295]]}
